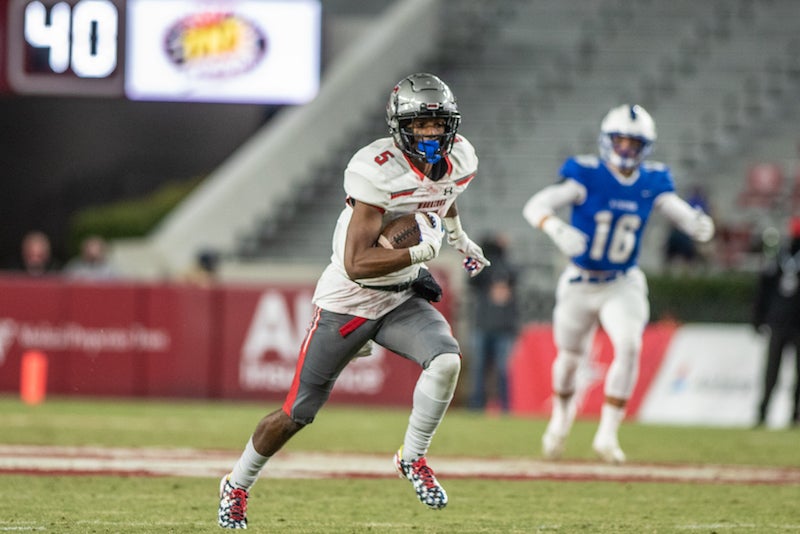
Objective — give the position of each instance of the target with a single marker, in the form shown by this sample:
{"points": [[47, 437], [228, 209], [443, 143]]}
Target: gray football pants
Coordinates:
{"points": [[415, 330]]}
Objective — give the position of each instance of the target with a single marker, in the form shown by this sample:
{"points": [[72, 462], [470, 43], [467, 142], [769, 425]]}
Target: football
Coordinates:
{"points": [[402, 232]]}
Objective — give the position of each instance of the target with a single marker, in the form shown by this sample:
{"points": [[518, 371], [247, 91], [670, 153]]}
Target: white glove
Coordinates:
{"points": [[474, 260], [703, 228], [430, 241], [570, 240]]}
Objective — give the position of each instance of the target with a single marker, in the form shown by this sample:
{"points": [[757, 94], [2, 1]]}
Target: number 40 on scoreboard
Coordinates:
{"points": [[242, 51], [83, 37], [65, 46]]}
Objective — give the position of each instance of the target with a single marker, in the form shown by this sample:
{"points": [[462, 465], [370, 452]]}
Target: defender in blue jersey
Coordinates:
{"points": [[611, 199]]}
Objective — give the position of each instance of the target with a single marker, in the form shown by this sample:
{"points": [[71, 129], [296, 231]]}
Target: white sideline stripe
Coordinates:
{"points": [[392, 526], [199, 463]]}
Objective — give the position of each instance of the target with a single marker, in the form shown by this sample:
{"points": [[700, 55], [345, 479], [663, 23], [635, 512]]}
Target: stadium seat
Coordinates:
{"points": [[763, 186], [734, 244]]}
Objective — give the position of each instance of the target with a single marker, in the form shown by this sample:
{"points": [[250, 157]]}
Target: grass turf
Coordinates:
{"points": [[184, 505], [139, 505]]}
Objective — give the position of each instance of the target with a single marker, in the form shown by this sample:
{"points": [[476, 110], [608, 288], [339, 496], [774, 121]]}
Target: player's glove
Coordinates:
{"points": [[474, 260], [430, 242], [570, 240], [426, 286], [703, 227]]}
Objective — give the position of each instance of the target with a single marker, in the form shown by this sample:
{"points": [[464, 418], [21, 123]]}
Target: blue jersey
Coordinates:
{"points": [[613, 214]]}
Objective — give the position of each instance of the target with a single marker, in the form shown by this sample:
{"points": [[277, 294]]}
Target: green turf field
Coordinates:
{"points": [[128, 504]]}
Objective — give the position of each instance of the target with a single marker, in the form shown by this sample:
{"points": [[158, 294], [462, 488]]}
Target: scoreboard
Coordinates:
{"points": [[248, 51], [65, 47]]}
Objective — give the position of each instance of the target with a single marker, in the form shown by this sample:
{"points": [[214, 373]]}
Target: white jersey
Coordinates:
{"points": [[381, 175]]}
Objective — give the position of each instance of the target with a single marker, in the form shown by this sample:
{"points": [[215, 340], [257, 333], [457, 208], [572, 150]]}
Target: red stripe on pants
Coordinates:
{"points": [[351, 325], [292, 395]]}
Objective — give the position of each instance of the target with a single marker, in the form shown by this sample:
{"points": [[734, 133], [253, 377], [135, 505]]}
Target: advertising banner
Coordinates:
{"points": [[532, 358], [239, 51], [692, 374], [712, 375], [179, 340], [242, 342]]}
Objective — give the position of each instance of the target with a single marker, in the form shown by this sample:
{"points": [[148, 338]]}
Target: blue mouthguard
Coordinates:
{"points": [[431, 150]]}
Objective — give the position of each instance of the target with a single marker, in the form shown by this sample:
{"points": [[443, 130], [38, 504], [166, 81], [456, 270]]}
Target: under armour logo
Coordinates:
{"points": [[448, 190]]}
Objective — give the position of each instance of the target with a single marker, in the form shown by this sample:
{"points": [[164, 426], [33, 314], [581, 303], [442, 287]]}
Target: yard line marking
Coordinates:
{"points": [[50, 460]]}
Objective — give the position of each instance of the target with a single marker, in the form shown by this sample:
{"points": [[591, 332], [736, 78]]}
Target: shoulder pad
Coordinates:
{"points": [[366, 177], [654, 166], [463, 155], [587, 160]]}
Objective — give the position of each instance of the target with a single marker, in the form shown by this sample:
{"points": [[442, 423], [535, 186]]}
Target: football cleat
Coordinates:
{"points": [[232, 505], [553, 445], [429, 492], [607, 448]]}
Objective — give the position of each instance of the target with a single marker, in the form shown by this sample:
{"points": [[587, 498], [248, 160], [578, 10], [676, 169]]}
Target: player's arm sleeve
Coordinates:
{"points": [[545, 203], [691, 221]]}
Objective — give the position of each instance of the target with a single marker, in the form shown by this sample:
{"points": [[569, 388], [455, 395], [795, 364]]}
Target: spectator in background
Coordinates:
{"points": [[92, 263], [35, 255], [495, 324], [776, 310], [204, 271], [698, 199]]}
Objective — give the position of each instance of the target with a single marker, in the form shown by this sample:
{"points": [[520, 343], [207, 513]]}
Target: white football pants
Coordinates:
{"points": [[621, 307]]}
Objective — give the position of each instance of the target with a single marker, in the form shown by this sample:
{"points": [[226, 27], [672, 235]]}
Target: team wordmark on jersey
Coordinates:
{"points": [[431, 205]]}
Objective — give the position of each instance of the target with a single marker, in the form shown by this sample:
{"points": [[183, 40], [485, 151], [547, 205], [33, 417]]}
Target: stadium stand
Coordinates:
{"points": [[533, 79], [266, 175], [763, 186]]}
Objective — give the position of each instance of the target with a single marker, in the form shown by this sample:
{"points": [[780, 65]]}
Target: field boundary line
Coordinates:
{"points": [[128, 461]]}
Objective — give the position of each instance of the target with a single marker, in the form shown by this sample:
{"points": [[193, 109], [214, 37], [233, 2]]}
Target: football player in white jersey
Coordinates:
{"points": [[370, 293], [611, 198]]}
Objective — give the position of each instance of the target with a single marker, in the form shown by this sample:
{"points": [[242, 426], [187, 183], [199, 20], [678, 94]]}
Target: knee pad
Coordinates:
{"points": [[445, 367], [624, 370], [627, 347], [564, 371], [439, 380]]}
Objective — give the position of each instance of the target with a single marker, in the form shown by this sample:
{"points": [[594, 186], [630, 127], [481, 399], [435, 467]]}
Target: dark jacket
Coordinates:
{"points": [[777, 300], [494, 293]]}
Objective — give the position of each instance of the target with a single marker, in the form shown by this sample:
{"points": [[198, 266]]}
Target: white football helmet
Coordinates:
{"points": [[422, 95], [628, 121]]}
